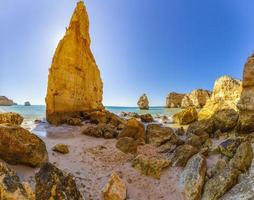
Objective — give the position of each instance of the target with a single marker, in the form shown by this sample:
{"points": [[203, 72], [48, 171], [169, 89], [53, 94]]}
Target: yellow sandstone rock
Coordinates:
{"points": [[74, 83]]}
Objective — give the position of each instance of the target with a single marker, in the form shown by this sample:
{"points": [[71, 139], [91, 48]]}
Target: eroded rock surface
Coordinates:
{"points": [[11, 188], [226, 93], [115, 189], [193, 177], [11, 118], [174, 100], [246, 103], [19, 146], [74, 83], [196, 98], [143, 102], [52, 183], [186, 116]]}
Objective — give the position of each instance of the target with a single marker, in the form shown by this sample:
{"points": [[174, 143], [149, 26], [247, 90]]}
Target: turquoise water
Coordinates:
{"points": [[38, 111]]}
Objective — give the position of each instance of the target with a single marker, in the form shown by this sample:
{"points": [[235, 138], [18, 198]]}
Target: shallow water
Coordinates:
{"points": [[38, 111]]}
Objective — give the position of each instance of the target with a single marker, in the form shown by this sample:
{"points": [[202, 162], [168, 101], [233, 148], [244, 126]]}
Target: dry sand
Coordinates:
{"points": [[92, 160]]}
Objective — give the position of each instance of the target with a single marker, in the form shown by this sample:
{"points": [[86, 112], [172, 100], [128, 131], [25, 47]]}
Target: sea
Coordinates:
{"points": [[38, 112]]}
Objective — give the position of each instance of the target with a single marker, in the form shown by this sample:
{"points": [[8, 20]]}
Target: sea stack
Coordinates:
{"points": [[174, 100], [246, 103], [74, 82], [143, 102]]}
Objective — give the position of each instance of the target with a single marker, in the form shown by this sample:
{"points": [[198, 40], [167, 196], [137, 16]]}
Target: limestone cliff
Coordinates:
{"points": [[4, 101], [174, 100], [74, 83], [143, 102], [246, 103], [225, 95], [196, 98]]}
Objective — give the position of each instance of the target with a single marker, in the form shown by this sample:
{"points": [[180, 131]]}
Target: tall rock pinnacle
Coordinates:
{"points": [[74, 83]]}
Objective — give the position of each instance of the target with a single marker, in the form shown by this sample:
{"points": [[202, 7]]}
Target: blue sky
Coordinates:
{"points": [[141, 46]]}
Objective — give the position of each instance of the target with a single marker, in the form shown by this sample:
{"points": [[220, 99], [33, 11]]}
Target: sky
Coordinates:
{"points": [[140, 46]]}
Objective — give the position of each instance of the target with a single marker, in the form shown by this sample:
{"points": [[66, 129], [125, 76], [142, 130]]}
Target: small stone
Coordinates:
{"points": [[61, 148]]}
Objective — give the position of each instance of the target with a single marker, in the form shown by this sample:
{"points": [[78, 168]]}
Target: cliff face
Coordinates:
{"points": [[4, 101], [225, 95], [74, 83], [174, 100], [246, 103], [196, 98], [143, 102]]}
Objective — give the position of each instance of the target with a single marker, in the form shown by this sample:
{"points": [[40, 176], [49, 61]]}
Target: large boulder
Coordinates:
{"points": [[243, 157], [193, 177], [242, 191], [115, 189], [74, 82], [174, 100], [150, 166], [52, 183], [225, 95], [4, 101], [246, 103], [225, 119], [11, 118], [143, 102], [219, 184], [127, 145], [199, 127], [182, 154], [147, 118], [196, 98], [229, 147], [11, 188], [157, 135], [186, 116], [134, 129], [19, 146]]}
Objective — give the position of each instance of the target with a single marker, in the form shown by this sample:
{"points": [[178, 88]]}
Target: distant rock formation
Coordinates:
{"points": [[196, 98], [74, 82], [246, 103], [143, 102], [4, 101], [226, 94], [174, 100], [27, 103]]}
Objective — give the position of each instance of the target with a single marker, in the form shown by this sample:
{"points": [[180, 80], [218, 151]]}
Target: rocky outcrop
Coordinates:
{"points": [[115, 189], [11, 118], [11, 188], [143, 102], [218, 185], [193, 177], [53, 183], [4, 101], [158, 135], [186, 116], [127, 145], [174, 100], [147, 118], [243, 157], [196, 98], [246, 103], [74, 83], [182, 154], [27, 103], [134, 129], [150, 166], [225, 95], [19, 146]]}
